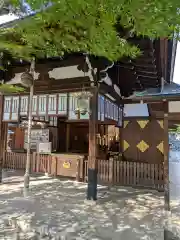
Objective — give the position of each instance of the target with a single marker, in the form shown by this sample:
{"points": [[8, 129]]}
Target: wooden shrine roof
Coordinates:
{"points": [[147, 70]]}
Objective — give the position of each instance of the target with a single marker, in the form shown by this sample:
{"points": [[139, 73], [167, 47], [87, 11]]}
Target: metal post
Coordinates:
{"points": [[28, 160]]}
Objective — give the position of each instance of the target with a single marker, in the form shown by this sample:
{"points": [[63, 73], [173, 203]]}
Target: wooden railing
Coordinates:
{"points": [[13, 160], [113, 171], [42, 163], [126, 173]]}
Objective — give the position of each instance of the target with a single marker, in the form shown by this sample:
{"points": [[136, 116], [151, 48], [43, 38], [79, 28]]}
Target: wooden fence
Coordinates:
{"points": [[44, 163], [126, 173], [13, 160], [113, 171]]}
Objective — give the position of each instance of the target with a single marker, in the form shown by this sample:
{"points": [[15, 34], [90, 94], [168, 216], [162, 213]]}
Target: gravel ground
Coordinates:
{"points": [[55, 209]]}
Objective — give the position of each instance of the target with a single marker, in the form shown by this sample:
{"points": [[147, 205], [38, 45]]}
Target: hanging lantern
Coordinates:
{"points": [[76, 111], [82, 102], [27, 79]]}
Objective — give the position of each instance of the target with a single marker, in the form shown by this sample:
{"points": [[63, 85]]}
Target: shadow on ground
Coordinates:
{"points": [[169, 235], [58, 207]]}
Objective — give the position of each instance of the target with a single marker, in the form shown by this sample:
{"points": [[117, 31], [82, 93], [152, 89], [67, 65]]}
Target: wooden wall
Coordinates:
{"points": [[142, 140], [79, 137], [18, 138]]}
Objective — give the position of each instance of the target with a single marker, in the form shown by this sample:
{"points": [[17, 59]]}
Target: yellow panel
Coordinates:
{"points": [[160, 147], [142, 123], [161, 123], [125, 123], [125, 145], [142, 146]]}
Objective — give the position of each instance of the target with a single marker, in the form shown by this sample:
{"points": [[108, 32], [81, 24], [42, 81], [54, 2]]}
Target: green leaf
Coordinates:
{"points": [[88, 26], [7, 88]]}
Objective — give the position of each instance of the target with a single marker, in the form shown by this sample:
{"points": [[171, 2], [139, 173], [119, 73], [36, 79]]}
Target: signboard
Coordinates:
{"points": [[44, 148], [37, 136]]}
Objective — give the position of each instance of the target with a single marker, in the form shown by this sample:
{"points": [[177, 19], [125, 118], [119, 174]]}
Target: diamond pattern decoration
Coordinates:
{"points": [[125, 123], [142, 123], [160, 147], [142, 146], [125, 145], [161, 123]]}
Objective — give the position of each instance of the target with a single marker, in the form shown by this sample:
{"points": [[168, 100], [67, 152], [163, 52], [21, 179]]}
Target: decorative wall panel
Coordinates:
{"points": [[52, 104], [126, 123], [174, 106], [42, 110], [125, 145], [24, 105], [15, 109], [161, 123], [106, 108], [142, 146], [62, 104], [142, 123], [72, 107], [160, 147], [7, 108], [120, 117], [101, 108], [34, 106], [144, 139]]}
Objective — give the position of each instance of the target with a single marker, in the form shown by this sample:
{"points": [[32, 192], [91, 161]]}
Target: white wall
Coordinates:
{"points": [[136, 110]]}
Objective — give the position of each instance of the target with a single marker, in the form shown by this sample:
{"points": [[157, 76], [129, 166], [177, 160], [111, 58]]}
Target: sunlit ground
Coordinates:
{"points": [[56, 208]]}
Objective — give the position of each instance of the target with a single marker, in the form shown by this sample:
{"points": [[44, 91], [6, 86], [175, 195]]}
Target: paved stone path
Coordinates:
{"points": [[55, 209]]}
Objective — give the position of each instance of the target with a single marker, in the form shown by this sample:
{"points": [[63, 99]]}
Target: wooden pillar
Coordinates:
{"points": [[92, 159], [2, 140], [67, 136], [166, 159]]}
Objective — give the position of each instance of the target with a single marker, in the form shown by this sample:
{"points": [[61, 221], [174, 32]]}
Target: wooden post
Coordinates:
{"points": [[166, 159], [2, 136], [92, 164], [78, 167], [67, 136], [111, 170]]}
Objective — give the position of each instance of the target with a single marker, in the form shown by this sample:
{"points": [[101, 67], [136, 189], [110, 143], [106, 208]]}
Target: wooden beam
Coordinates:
{"points": [[145, 66], [166, 159], [63, 89], [150, 99], [104, 89], [146, 72], [92, 159], [163, 56], [147, 78]]}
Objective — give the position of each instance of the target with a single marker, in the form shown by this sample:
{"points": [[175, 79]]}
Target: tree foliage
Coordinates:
{"points": [[7, 7], [89, 26], [8, 88]]}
